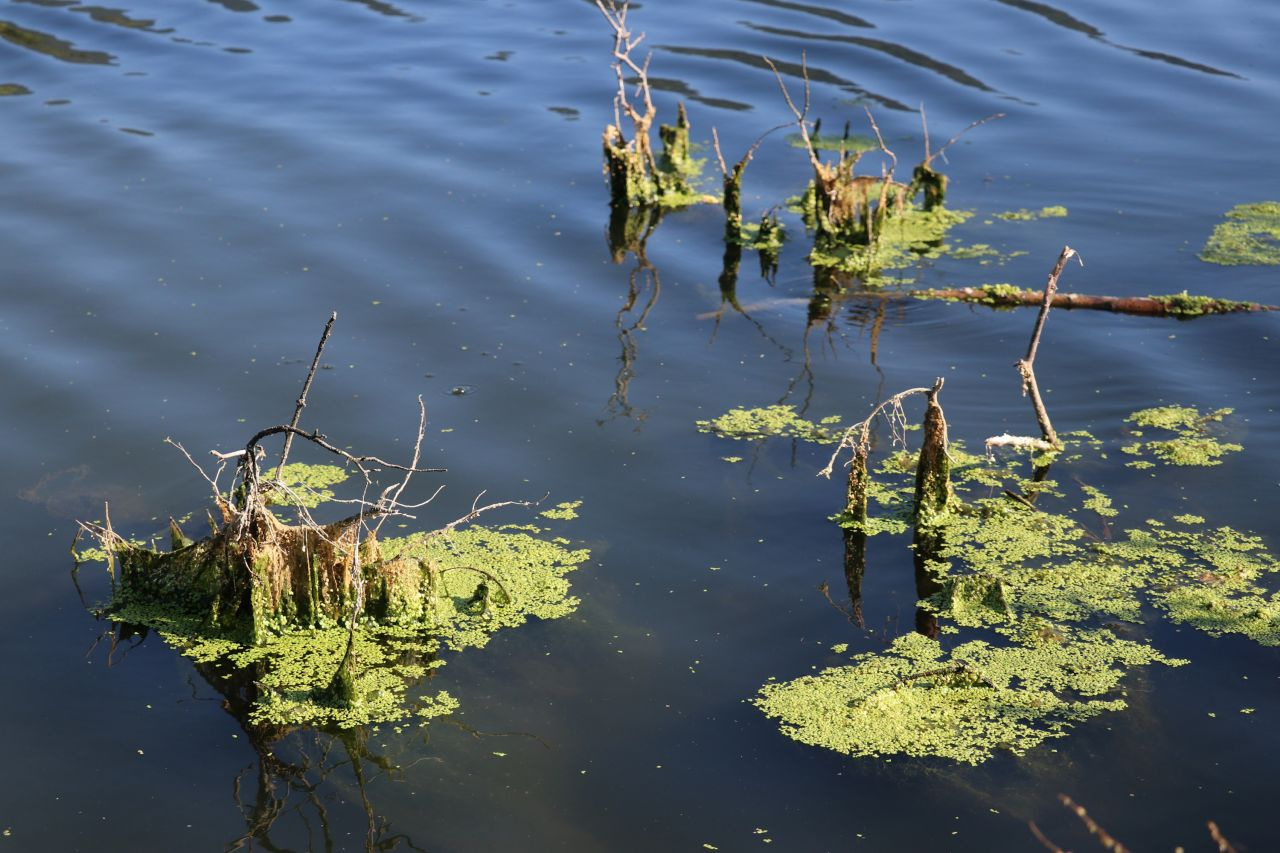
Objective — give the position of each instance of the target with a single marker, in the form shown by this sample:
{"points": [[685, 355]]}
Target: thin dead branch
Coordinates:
{"points": [[1104, 837], [1224, 846], [1026, 366], [306, 386]]}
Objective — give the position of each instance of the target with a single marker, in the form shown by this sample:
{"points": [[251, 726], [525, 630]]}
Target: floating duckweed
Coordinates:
{"points": [[1207, 578], [1098, 502], [975, 250], [1024, 215], [902, 241], [1009, 556], [563, 511], [772, 421], [851, 143], [476, 580], [1192, 446], [1175, 417], [1250, 235], [308, 485], [916, 700]]}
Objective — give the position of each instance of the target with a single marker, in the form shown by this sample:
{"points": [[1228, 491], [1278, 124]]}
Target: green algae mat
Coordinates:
{"points": [[1036, 592]]}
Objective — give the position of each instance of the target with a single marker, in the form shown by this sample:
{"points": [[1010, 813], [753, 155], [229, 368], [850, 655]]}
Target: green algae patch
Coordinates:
{"points": [[917, 700], [474, 581], [1192, 443], [308, 485], [563, 511], [849, 143], [1023, 215], [486, 578], [1249, 235], [772, 422], [903, 239], [1190, 305], [1209, 579]]}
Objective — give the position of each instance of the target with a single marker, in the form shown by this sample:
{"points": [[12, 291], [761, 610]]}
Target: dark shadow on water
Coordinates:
{"points": [[817, 11], [1056, 16], [51, 45], [787, 69], [897, 51]]}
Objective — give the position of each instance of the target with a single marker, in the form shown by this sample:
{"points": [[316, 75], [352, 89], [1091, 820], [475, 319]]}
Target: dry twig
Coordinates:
{"points": [[1026, 367]]}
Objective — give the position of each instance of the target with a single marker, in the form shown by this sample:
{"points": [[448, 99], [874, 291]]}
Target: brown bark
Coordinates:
{"points": [[1177, 305]]}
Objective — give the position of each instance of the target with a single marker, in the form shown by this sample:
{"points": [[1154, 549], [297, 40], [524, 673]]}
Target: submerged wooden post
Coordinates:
{"points": [[933, 493], [933, 472]]}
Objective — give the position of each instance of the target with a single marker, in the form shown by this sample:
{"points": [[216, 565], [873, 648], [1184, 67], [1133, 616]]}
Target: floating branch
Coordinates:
{"points": [[1183, 306], [1173, 305]]}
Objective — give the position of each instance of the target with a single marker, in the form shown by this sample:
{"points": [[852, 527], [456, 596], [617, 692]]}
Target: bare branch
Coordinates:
{"points": [[316, 438], [212, 481], [479, 510], [801, 115], [893, 158], [306, 386], [391, 496], [1104, 838], [860, 433], [1040, 836], [930, 157], [1026, 367], [715, 144], [1224, 846]]}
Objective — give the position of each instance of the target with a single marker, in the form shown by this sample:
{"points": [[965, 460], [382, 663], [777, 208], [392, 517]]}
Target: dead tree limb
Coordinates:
{"points": [[306, 386], [1171, 305], [1104, 837], [1026, 366]]}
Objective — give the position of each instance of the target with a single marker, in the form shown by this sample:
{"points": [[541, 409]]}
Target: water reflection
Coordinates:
{"points": [[817, 11], [290, 797], [684, 90], [897, 51], [1066, 21], [787, 69], [628, 231], [51, 45]]}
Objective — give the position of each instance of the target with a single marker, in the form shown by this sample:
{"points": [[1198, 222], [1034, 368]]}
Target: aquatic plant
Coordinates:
{"points": [[779, 421], [1250, 234], [1191, 444], [1015, 560], [916, 699], [638, 177], [330, 624]]}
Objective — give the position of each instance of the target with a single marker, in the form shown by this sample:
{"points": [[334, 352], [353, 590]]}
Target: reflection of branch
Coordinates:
{"points": [[644, 277]]}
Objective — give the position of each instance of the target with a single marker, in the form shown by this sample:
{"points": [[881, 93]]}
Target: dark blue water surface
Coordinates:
{"points": [[187, 189]]}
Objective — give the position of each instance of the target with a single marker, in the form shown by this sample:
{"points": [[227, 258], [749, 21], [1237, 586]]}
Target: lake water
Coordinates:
{"points": [[187, 189]]}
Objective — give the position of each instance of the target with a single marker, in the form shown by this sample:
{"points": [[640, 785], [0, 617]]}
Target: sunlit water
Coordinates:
{"points": [[188, 189]]}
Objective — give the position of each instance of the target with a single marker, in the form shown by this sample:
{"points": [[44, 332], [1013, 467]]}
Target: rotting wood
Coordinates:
{"points": [[1026, 365], [1183, 305]]}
